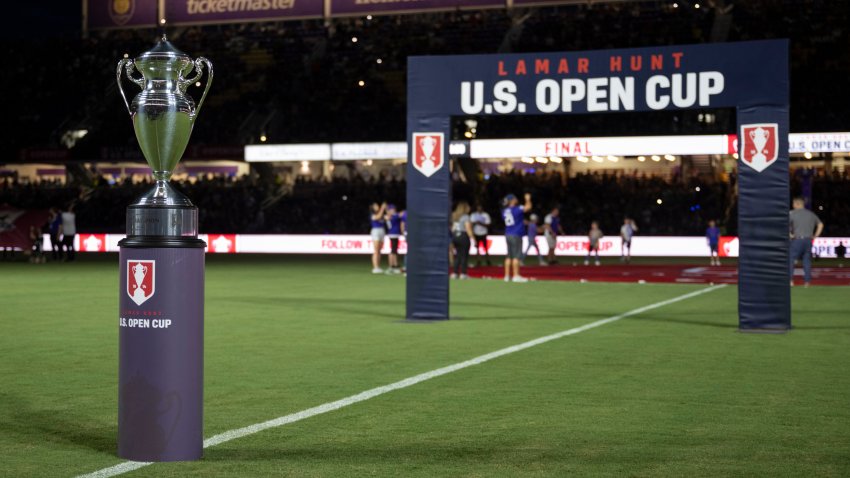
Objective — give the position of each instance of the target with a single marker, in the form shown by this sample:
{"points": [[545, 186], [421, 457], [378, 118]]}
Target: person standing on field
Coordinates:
{"points": [[378, 233], [68, 229], [55, 242], [403, 217], [394, 231], [531, 233], [480, 228], [627, 231], [593, 237], [551, 229], [805, 227], [513, 215], [712, 234], [462, 237]]}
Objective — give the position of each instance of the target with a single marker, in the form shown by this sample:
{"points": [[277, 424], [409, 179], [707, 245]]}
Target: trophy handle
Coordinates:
{"points": [[127, 65], [199, 71]]}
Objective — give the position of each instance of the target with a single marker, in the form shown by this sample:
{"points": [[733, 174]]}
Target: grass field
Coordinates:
{"points": [[674, 391]]}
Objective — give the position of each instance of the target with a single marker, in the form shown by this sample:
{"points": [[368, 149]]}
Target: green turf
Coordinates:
{"points": [[672, 392]]}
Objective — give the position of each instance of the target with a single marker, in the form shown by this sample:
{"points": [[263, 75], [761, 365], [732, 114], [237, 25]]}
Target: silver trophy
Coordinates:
{"points": [[163, 116]]}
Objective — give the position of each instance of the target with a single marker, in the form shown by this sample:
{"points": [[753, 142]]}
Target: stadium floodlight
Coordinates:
{"points": [[162, 266], [613, 159], [598, 159], [641, 158], [361, 83], [556, 159], [582, 159], [656, 158], [669, 157], [541, 159], [697, 189], [807, 155], [353, 39], [658, 201], [379, 61], [527, 160]]}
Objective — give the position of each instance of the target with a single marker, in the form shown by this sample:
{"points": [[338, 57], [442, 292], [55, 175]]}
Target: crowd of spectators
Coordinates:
{"points": [[659, 205]]}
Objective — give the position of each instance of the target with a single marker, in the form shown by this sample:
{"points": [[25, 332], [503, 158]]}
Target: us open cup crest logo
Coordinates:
{"points": [[759, 145], [141, 280], [428, 153], [93, 242]]}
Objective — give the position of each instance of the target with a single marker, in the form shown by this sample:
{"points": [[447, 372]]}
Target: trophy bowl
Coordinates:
{"points": [[163, 116]]}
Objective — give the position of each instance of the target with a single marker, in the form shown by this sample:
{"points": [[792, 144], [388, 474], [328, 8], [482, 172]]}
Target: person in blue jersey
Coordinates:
{"points": [[393, 232], [712, 234], [378, 233], [513, 215]]}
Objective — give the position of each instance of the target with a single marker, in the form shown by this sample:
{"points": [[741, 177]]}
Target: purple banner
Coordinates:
{"points": [[352, 7], [121, 13], [215, 11]]}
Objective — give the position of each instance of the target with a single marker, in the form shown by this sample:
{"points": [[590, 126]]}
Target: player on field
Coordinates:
{"points": [[551, 229], [627, 231], [513, 214], [378, 232], [593, 237], [712, 234], [393, 232]]}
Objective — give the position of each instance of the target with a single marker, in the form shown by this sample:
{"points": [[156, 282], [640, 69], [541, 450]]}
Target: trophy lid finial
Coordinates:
{"points": [[164, 49]]}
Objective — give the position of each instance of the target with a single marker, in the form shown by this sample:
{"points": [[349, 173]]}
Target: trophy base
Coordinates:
{"points": [[161, 354], [162, 212]]}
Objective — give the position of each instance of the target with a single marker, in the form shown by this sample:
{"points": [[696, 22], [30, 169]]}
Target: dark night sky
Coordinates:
{"points": [[39, 18]]}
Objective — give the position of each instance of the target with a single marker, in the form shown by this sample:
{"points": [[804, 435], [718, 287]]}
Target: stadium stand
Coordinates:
{"points": [[264, 69], [340, 205]]}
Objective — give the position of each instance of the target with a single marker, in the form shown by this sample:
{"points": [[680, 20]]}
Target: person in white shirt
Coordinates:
{"points": [[480, 227], [68, 229], [627, 231], [551, 229], [461, 240]]}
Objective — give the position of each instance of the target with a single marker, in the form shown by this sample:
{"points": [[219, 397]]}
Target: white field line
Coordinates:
{"points": [[227, 436]]}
